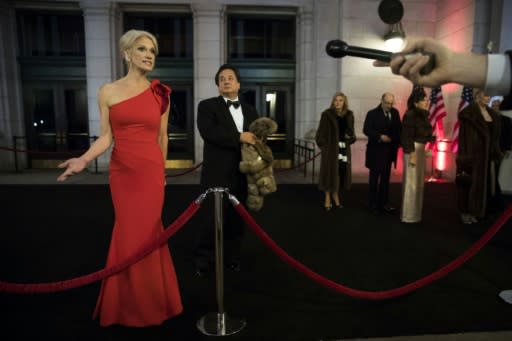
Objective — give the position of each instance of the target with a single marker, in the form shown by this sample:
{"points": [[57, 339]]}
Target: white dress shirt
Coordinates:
{"points": [[237, 115]]}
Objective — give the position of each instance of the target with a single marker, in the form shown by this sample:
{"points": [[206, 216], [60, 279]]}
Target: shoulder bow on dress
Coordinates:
{"points": [[161, 93]]}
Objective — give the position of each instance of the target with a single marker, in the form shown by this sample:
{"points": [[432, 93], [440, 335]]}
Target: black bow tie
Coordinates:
{"points": [[236, 104]]}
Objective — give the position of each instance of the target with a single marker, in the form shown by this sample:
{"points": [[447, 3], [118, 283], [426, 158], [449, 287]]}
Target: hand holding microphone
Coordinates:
{"points": [[424, 61], [339, 49]]}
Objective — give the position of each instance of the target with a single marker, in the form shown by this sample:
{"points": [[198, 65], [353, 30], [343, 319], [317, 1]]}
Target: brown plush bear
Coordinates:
{"points": [[257, 163]]}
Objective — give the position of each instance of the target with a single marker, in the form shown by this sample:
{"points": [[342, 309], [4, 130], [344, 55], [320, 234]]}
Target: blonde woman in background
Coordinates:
{"points": [[334, 136]]}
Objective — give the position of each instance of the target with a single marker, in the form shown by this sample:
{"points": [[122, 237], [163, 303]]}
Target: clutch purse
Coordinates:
{"points": [[463, 179]]}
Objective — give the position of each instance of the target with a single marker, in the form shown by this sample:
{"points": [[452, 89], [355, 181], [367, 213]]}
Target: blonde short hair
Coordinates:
{"points": [[130, 37]]}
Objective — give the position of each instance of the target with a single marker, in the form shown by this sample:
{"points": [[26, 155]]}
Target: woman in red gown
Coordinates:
{"points": [[134, 114]]}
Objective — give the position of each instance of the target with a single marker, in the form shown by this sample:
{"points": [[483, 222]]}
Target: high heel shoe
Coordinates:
{"points": [[340, 205], [327, 208], [465, 218]]}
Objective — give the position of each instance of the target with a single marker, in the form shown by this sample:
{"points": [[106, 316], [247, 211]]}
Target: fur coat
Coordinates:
{"points": [[478, 147], [257, 162], [327, 140]]}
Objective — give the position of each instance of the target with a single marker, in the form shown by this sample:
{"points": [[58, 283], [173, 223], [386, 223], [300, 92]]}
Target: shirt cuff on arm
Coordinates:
{"points": [[498, 81]]}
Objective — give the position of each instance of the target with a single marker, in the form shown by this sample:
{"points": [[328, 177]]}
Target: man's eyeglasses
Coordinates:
{"points": [[389, 103]]}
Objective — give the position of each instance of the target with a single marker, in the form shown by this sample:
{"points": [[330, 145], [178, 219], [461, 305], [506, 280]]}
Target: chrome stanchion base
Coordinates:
{"points": [[217, 324], [506, 295]]}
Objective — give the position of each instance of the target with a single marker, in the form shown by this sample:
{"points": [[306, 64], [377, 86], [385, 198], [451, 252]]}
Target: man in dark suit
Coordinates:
{"points": [[223, 123], [382, 126]]}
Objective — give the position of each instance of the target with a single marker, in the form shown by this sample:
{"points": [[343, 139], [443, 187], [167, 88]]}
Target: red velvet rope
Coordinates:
{"points": [[185, 172], [144, 250], [375, 295]]}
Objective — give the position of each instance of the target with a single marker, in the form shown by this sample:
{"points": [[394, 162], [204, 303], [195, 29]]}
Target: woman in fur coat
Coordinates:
{"points": [[334, 136], [479, 154]]}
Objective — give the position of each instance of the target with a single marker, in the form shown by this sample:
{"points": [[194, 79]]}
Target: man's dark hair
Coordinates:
{"points": [[227, 67]]}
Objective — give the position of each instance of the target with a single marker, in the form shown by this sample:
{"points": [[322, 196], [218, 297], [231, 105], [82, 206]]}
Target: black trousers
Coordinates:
{"points": [[379, 187]]}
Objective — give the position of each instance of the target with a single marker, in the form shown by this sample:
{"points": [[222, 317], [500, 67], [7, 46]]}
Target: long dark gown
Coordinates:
{"points": [[147, 292]]}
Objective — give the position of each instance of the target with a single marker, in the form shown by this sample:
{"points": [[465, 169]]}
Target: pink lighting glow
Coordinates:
{"points": [[441, 150]]}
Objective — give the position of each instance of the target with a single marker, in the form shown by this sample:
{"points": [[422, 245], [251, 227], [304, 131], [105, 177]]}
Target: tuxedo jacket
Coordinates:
{"points": [[222, 147], [380, 155]]}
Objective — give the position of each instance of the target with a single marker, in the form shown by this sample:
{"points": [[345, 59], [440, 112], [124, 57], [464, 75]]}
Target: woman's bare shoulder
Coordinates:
{"points": [[110, 87], [108, 93]]}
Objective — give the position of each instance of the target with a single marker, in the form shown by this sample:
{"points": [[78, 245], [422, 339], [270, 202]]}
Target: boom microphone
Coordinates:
{"points": [[339, 49]]}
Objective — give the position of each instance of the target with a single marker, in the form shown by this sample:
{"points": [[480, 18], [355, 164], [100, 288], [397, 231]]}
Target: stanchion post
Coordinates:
{"points": [[15, 151], [313, 166], [219, 251], [306, 155], [219, 323], [311, 156], [94, 138], [432, 177]]}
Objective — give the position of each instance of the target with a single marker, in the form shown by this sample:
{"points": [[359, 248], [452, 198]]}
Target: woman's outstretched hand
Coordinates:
{"points": [[73, 166]]}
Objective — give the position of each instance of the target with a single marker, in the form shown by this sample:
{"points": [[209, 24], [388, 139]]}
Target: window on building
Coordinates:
{"points": [[46, 34], [261, 37], [174, 67], [173, 32], [261, 44], [51, 59]]}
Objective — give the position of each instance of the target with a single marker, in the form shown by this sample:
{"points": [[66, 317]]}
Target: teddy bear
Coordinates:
{"points": [[257, 163]]}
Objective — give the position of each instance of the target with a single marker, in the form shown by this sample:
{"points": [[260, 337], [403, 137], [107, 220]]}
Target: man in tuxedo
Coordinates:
{"points": [[382, 126], [223, 123]]}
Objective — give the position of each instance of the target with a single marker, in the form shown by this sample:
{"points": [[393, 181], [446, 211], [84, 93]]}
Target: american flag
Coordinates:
{"points": [[466, 97], [437, 109]]}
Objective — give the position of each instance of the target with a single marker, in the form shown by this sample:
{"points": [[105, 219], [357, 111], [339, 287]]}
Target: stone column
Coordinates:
{"points": [[100, 60], [328, 73], [505, 42], [306, 118], [11, 113], [481, 31], [208, 56]]}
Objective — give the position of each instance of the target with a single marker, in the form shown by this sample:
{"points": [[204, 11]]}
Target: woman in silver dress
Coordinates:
{"points": [[416, 131]]}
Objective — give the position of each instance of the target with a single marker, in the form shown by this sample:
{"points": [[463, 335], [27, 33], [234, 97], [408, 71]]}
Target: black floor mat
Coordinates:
{"points": [[50, 233]]}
